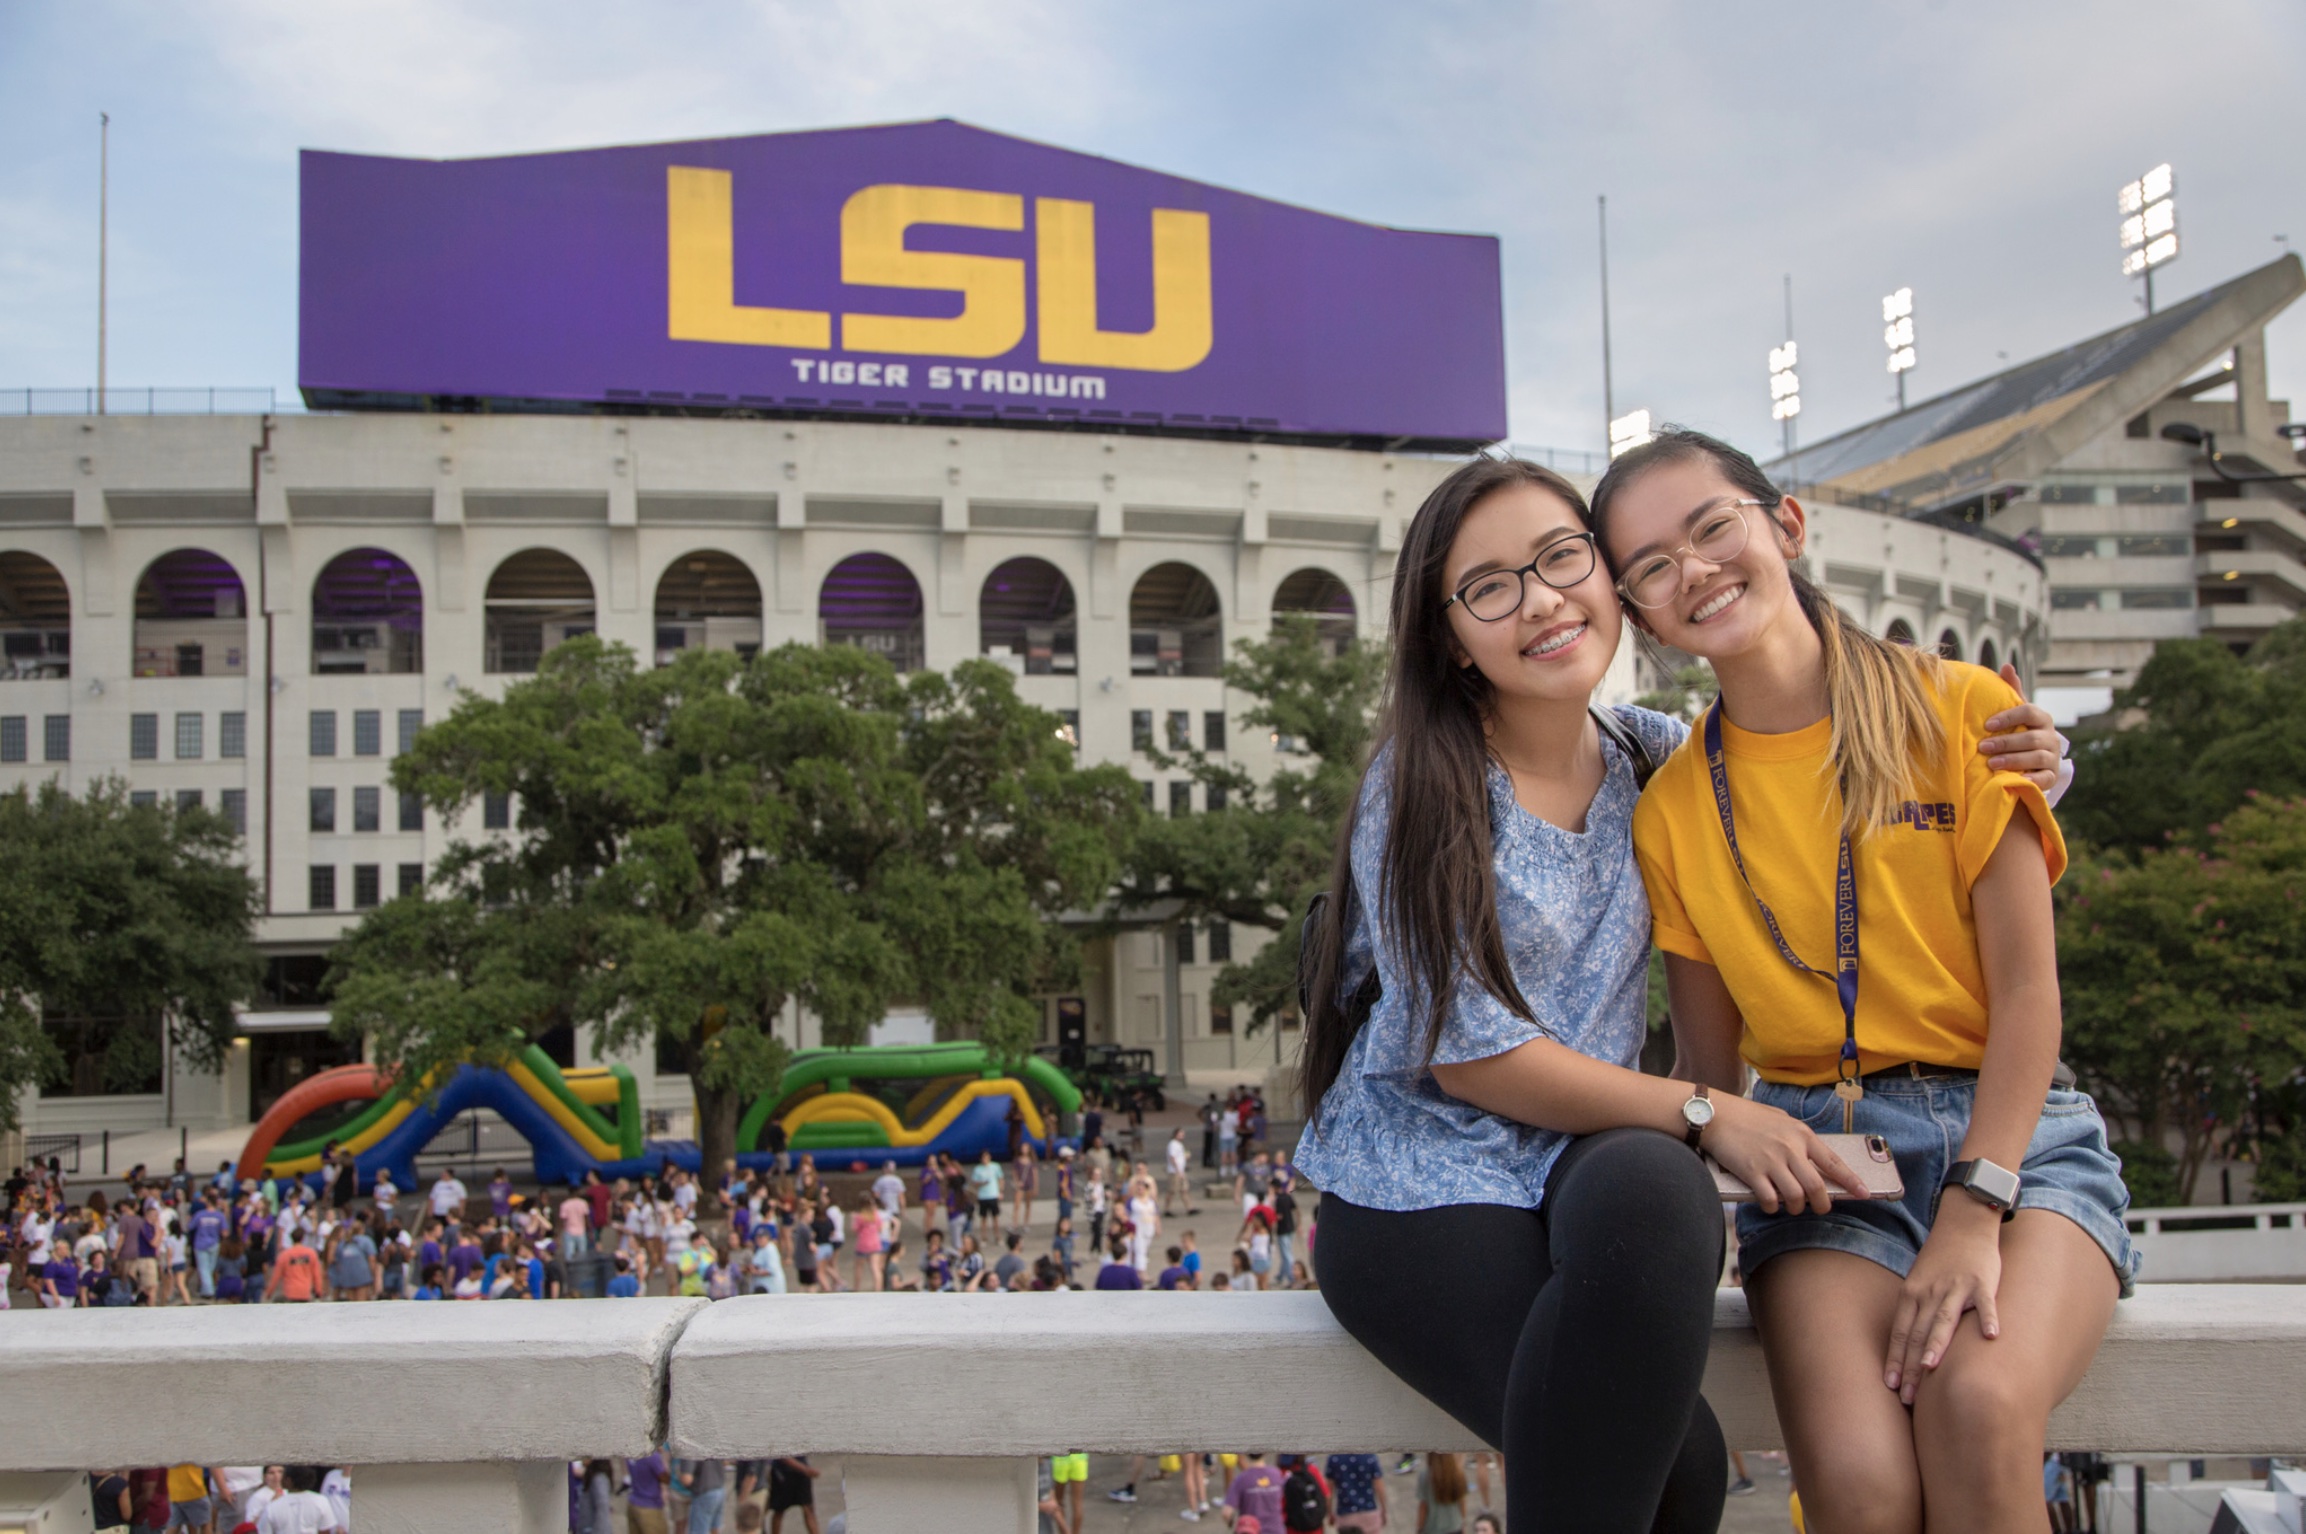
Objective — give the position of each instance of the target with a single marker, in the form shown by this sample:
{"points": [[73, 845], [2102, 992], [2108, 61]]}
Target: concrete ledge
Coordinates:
{"points": [[2203, 1369], [334, 1384]]}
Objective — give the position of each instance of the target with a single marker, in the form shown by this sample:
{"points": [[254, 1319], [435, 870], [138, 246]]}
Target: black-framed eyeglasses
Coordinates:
{"points": [[1496, 595], [1715, 534]]}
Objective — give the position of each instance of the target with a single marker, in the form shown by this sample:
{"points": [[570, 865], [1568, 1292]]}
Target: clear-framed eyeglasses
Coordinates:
{"points": [[1718, 533], [1495, 595]]}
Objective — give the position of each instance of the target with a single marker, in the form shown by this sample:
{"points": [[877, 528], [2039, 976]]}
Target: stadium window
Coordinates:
{"points": [[232, 735], [367, 886], [15, 743], [495, 811], [56, 746], [411, 721], [367, 732], [323, 732], [188, 741], [1072, 719], [411, 880], [1221, 942], [143, 737], [1148, 796], [1213, 730], [320, 888], [1220, 1018], [1180, 729], [367, 809], [323, 810], [411, 811], [1185, 942], [1181, 797], [143, 799], [233, 802], [188, 798], [1215, 795], [1141, 729]]}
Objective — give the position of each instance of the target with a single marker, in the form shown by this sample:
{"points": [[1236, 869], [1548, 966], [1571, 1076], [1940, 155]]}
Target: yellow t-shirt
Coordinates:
{"points": [[1921, 988], [187, 1483]]}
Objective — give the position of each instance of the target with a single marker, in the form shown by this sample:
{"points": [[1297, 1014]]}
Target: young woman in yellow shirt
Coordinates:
{"points": [[1855, 902]]}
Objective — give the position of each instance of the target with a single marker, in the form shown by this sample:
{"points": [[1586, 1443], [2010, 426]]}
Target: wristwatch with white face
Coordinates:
{"points": [[1994, 1186], [1696, 1114]]}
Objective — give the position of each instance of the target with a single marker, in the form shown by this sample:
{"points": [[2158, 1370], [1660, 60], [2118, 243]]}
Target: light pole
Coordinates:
{"points": [[1898, 336], [1608, 400], [2149, 228], [103, 238]]}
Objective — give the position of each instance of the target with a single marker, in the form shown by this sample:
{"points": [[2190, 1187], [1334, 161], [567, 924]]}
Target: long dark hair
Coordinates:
{"points": [[1881, 694], [1437, 906]]}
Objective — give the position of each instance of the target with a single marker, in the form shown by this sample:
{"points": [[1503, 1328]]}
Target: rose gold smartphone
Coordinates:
{"points": [[1866, 1155]]}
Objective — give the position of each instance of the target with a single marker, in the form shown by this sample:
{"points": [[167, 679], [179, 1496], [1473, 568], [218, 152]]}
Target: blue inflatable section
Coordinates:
{"points": [[557, 1158]]}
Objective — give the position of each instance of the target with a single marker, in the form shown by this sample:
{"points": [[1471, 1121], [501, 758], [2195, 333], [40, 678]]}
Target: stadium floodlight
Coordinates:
{"points": [[1628, 432], [1785, 383], [1898, 336], [2148, 230]]}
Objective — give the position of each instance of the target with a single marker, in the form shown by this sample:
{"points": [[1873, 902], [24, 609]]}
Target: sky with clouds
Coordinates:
{"points": [[1968, 148]]}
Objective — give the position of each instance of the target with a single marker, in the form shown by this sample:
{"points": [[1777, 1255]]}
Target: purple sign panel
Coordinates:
{"points": [[926, 270]]}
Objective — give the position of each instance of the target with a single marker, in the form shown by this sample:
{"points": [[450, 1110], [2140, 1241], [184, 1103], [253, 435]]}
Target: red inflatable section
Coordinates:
{"points": [[343, 1084]]}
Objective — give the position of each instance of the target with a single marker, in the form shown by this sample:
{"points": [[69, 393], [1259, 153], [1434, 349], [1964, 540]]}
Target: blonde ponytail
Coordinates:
{"points": [[1882, 697]]}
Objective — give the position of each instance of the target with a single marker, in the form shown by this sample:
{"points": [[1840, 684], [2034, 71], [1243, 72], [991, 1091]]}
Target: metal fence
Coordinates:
{"points": [[194, 401], [473, 1140], [65, 1148]]}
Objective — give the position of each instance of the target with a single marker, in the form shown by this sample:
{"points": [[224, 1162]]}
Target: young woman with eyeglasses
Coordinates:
{"points": [[1857, 903], [1513, 1220]]}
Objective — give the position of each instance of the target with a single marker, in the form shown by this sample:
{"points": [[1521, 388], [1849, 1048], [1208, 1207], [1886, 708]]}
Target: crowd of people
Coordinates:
{"points": [[178, 1239]]}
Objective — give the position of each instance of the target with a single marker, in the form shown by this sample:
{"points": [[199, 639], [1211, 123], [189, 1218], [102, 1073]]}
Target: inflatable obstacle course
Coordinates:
{"points": [[894, 1103], [574, 1121], [904, 1103]]}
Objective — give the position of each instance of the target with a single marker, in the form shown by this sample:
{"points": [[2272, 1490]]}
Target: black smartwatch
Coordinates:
{"points": [[1695, 1115]]}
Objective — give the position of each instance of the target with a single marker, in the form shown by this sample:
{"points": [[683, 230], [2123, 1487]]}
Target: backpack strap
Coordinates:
{"points": [[1627, 741]]}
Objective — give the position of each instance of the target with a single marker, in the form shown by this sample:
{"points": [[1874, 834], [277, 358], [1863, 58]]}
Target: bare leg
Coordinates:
{"points": [[1979, 1418], [1824, 1319]]}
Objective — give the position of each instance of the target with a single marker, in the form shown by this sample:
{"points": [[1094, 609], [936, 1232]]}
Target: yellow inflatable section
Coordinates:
{"points": [[586, 1085], [855, 1107], [596, 1086]]}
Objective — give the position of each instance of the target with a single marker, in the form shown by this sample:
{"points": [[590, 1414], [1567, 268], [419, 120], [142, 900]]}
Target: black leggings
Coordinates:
{"points": [[1572, 1337]]}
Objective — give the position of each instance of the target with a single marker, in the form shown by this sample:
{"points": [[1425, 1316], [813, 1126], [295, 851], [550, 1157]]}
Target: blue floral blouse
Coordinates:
{"points": [[1576, 926]]}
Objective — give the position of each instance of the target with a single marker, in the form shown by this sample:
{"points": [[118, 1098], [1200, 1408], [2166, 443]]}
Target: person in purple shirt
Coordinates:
{"points": [[208, 1227], [1117, 1273], [1255, 1492], [430, 1253], [464, 1256], [1176, 1275], [647, 1489], [63, 1280]]}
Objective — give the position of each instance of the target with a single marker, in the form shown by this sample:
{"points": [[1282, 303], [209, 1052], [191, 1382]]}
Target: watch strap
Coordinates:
{"points": [[1693, 1129]]}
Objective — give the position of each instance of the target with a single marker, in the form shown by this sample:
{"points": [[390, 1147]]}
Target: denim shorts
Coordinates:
{"points": [[2068, 1169]]}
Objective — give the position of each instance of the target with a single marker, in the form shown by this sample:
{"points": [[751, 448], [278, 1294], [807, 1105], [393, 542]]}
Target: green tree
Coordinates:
{"points": [[1258, 860], [2200, 729], [110, 911], [699, 844], [2184, 977]]}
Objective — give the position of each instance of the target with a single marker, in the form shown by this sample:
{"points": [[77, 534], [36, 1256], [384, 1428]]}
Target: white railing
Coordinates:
{"points": [[463, 1416], [2221, 1243]]}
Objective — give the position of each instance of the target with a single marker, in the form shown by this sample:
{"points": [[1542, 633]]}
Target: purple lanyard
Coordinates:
{"points": [[1845, 971]]}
